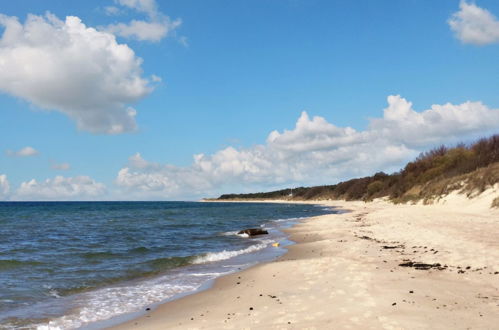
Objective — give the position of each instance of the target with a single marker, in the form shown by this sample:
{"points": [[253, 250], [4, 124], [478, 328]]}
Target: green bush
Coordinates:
{"points": [[374, 187]]}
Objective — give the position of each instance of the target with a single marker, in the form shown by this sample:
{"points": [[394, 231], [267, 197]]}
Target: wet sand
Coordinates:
{"points": [[379, 266]]}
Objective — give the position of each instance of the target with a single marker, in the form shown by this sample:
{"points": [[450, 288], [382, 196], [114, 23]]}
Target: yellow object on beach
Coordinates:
{"points": [[275, 244]]}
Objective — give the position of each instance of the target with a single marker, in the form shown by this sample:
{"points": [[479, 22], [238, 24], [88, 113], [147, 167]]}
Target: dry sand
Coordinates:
{"points": [[344, 273]]}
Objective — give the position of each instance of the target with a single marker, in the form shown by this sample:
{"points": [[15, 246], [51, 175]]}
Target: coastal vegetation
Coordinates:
{"points": [[467, 168]]}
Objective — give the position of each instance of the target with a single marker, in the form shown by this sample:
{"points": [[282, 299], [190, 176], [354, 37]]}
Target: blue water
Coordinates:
{"points": [[70, 264]]}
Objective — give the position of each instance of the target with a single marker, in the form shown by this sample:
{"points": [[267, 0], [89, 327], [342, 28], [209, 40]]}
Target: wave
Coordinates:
{"points": [[109, 254], [289, 219], [229, 233], [51, 292], [107, 302], [234, 233], [12, 263], [140, 249], [161, 264], [98, 255], [224, 255]]}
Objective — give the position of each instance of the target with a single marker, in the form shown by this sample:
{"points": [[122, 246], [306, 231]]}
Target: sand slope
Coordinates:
{"points": [[344, 273]]}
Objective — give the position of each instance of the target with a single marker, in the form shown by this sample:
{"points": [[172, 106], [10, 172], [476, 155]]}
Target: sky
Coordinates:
{"points": [[184, 99]]}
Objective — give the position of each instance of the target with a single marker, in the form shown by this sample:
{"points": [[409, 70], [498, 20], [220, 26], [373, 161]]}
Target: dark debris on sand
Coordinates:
{"points": [[422, 265]]}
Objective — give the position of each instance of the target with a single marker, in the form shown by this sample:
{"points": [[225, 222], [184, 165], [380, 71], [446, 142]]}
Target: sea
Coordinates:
{"points": [[89, 265]]}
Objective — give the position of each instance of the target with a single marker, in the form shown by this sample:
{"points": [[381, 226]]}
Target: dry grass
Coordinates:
{"points": [[471, 184]]}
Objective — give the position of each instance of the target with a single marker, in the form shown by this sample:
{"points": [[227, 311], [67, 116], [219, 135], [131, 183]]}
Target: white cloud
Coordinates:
{"points": [[474, 25], [24, 152], [143, 30], [61, 166], [155, 78], [156, 27], [438, 124], [61, 188], [146, 180], [314, 152], [74, 69], [112, 10], [4, 187], [145, 6]]}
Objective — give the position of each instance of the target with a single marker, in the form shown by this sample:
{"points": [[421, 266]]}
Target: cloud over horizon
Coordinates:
{"points": [[73, 69], [23, 152], [60, 188], [314, 152], [474, 25], [4, 187]]}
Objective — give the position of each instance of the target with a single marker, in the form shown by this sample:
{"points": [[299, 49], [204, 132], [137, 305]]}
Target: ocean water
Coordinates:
{"points": [[67, 265]]}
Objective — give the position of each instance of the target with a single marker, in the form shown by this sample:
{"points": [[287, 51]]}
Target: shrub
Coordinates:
{"points": [[495, 202], [374, 187]]}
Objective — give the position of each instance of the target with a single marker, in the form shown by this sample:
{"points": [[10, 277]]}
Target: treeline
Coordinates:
{"points": [[470, 168]]}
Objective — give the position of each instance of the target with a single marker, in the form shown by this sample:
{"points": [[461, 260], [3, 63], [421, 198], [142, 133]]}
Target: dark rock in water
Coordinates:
{"points": [[253, 232]]}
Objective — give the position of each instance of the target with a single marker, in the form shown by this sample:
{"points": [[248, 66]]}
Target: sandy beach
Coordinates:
{"points": [[378, 266]]}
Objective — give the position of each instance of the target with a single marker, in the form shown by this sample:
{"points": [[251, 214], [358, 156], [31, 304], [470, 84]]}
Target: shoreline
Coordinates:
{"points": [[200, 262], [263, 258], [174, 306], [345, 271]]}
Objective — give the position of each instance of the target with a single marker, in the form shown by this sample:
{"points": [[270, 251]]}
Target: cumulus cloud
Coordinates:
{"points": [[314, 152], [438, 124], [24, 152], [4, 187], [61, 188], [74, 69], [156, 27], [474, 25], [142, 180]]}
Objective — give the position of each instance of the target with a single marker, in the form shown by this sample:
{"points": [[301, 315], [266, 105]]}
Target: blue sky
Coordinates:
{"points": [[232, 72]]}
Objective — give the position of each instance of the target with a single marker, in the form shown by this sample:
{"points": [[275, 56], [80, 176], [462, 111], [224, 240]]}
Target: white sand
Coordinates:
{"points": [[340, 276]]}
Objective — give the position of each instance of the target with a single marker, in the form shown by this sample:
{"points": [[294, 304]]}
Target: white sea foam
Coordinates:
{"points": [[230, 233], [224, 255], [289, 219], [108, 302], [235, 233], [208, 274], [54, 293]]}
